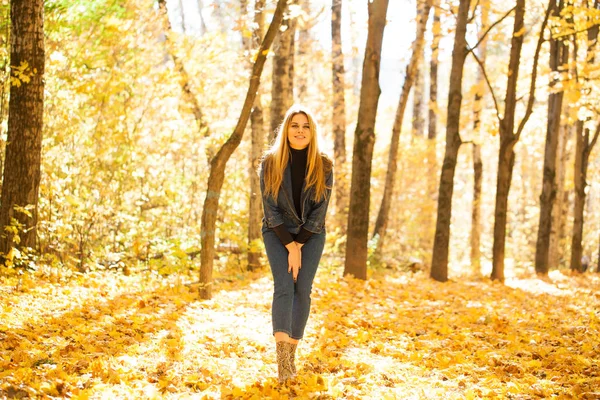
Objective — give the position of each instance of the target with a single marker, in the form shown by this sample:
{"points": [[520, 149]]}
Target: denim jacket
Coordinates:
{"points": [[282, 210]]}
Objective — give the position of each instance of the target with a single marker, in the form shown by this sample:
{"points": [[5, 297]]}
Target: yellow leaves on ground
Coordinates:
{"points": [[392, 337]]}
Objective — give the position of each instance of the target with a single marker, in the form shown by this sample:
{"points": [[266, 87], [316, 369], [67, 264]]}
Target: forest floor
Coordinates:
{"points": [[395, 336]]}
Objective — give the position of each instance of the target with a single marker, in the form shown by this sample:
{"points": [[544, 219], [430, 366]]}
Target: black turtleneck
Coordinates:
{"points": [[298, 162]]}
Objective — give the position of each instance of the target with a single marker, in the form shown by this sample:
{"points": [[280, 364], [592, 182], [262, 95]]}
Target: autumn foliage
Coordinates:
{"points": [[394, 336]]}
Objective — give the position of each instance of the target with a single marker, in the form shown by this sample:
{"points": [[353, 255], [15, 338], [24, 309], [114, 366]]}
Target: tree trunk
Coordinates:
{"points": [[582, 153], [409, 78], [21, 180], [559, 211], [506, 162], [508, 137], [258, 139], [339, 116], [364, 139], [418, 122], [433, 72], [203, 29], [304, 51], [282, 89], [184, 79], [439, 262], [477, 161], [580, 174], [506, 156], [558, 57], [219, 161], [182, 14]]}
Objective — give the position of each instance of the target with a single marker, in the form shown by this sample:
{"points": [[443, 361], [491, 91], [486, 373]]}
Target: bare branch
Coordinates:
{"points": [[534, 71], [474, 12], [489, 29], [489, 84]]}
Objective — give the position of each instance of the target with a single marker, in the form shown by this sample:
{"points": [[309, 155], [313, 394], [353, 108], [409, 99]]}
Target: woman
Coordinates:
{"points": [[295, 181]]}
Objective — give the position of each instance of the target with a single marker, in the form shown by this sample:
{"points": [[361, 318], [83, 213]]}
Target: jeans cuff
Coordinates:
{"points": [[283, 331]]}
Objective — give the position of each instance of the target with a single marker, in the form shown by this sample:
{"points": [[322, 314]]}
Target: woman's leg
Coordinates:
{"points": [[283, 297], [283, 294], [311, 255]]}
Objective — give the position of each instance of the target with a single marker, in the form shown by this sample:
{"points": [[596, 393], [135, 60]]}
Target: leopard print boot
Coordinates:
{"points": [[292, 355], [284, 369]]}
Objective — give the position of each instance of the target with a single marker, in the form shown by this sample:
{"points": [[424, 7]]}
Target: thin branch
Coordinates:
{"points": [[490, 28], [556, 37], [534, 71], [474, 13], [489, 84]]}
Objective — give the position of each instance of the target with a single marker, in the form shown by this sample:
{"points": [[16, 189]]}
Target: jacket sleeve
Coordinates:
{"points": [[316, 219], [273, 216]]}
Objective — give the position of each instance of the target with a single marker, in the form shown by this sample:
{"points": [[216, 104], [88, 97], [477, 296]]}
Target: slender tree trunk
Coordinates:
{"points": [[304, 51], [559, 211], [409, 78], [282, 89], [418, 122], [339, 116], [506, 162], [21, 180], [477, 161], [203, 29], [508, 137], [583, 148], [433, 71], [439, 262], [506, 156], [258, 138], [364, 140], [581, 165], [432, 161], [182, 14], [219, 161], [184, 79], [558, 57]]}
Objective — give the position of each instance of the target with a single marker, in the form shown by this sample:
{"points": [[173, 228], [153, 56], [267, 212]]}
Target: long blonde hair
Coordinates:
{"points": [[277, 157]]}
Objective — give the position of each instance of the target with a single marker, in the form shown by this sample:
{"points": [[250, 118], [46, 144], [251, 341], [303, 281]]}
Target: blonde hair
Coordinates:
{"points": [[277, 157]]}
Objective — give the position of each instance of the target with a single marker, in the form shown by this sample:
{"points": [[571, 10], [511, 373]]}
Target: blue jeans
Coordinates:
{"points": [[291, 301]]}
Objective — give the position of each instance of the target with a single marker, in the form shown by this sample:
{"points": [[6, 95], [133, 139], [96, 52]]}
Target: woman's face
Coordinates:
{"points": [[299, 134]]}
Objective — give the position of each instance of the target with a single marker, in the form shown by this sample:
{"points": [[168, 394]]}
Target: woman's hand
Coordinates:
{"points": [[294, 259]]}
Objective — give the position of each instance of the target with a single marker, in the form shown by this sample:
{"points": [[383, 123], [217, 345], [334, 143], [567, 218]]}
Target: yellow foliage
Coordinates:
{"points": [[104, 335]]}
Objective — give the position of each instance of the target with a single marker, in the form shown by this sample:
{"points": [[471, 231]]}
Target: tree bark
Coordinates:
{"points": [[583, 149], [508, 137], [182, 14], [282, 88], [418, 122], [433, 72], [477, 161], [258, 139], [580, 173], [506, 156], [439, 262], [219, 161], [559, 56], [203, 28], [22, 168], [364, 139], [339, 116], [559, 211], [304, 51], [409, 78]]}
